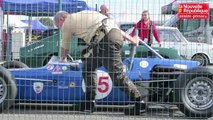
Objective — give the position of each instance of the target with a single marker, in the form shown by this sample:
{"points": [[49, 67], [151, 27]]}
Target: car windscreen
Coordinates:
{"points": [[170, 35]]}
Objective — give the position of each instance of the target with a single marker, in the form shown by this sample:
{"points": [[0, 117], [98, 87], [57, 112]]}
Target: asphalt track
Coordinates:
{"points": [[26, 112]]}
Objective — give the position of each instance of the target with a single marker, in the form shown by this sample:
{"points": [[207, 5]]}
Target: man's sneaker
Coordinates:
{"points": [[140, 106]]}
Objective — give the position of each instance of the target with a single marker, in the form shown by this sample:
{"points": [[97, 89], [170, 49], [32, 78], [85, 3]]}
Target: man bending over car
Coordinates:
{"points": [[104, 40]]}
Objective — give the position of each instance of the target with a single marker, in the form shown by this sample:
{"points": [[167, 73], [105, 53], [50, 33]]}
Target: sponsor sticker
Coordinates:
{"points": [[57, 70], [50, 67], [181, 66], [126, 52], [38, 87], [72, 84], [63, 85], [144, 64], [64, 68]]}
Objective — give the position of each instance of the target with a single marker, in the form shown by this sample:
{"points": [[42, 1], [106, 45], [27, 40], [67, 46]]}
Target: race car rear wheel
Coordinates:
{"points": [[8, 89], [194, 92], [14, 64]]}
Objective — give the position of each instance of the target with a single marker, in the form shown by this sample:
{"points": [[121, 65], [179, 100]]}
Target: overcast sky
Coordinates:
{"points": [[123, 10], [130, 10]]}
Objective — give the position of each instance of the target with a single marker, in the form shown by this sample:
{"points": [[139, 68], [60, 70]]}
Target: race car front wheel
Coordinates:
{"points": [[194, 92], [8, 89]]}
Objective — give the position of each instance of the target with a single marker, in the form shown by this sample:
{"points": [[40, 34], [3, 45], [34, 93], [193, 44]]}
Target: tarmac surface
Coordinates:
{"points": [[23, 112]]}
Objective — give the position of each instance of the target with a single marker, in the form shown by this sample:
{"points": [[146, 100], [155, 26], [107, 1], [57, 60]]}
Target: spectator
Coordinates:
{"points": [[146, 29]]}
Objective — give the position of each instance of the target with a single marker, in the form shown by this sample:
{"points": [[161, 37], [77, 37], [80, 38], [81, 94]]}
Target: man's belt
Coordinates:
{"points": [[99, 35]]}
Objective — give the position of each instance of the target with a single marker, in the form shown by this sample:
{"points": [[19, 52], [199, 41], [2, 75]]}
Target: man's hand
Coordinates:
{"points": [[135, 40], [64, 53]]}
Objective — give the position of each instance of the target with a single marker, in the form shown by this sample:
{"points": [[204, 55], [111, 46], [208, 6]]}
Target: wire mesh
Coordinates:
{"points": [[35, 84]]}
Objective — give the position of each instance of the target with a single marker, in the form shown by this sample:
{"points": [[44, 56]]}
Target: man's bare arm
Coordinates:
{"points": [[65, 45], [64, 53], [134, 40]]}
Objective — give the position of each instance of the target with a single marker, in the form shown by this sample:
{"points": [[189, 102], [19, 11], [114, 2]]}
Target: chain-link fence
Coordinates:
{"points": [[168, 75]]}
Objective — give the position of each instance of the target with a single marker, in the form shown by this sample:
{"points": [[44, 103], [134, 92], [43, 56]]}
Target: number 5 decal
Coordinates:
{"points": [[104, 86]]}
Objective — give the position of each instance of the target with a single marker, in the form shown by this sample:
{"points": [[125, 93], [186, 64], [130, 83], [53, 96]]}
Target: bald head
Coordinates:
{"points": [[59, 18], [104, 10]]}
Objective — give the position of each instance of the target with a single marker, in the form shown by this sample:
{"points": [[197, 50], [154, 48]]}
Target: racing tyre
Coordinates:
{"points": [[203, 59], [194, 92], [14, 64], [8, 89]]}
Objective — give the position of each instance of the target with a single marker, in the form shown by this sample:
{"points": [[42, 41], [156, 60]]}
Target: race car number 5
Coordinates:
{"points": [[103, 82], [104, 85]]}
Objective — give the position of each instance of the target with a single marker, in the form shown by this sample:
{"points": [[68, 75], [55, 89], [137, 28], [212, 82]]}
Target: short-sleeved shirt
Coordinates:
{"points": [[83, 25]]}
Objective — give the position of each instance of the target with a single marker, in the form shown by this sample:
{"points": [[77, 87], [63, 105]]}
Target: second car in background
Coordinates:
{"points": [[171, 37]]}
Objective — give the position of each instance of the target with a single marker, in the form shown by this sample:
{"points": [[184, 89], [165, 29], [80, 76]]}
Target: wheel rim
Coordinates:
{"points": [[200, 59], [199, 93], [3, 90]]}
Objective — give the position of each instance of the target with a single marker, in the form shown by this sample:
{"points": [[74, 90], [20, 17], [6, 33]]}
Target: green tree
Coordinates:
{"points": [[47, 21]]}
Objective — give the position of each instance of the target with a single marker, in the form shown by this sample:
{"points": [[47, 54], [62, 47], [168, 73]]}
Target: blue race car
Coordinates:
{"points": [[165, 81]]}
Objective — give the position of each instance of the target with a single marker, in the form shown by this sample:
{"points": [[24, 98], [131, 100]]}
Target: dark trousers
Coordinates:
{"points": [[107, 54]]}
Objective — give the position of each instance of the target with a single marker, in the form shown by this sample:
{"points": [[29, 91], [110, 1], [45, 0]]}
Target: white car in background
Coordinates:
{"points": [[1, 51], [171, 37]]}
